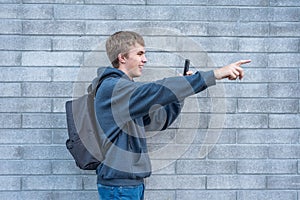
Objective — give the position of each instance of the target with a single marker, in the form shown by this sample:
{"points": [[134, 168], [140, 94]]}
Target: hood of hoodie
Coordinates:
{"points": [[104, 72]]}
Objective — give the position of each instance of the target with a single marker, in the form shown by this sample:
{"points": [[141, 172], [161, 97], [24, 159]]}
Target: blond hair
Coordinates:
{"points": [[121, 42]]}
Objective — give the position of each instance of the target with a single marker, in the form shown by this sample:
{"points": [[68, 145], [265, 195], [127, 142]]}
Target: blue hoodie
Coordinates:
{"points": [[126, 110]]}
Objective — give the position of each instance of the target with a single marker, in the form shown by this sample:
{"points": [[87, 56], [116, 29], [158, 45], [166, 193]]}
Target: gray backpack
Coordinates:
{"points": [[85, 141]]}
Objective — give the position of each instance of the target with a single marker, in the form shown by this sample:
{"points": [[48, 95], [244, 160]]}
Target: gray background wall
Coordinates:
{"points": [[46, 46]]}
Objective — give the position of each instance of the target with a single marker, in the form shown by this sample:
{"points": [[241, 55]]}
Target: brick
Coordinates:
{"points": [[239, 121], [164, 59], [253, 44], [221, 90], [193, 151], [190, 44], [10, 89], [284, 3], [11, 152], [217, 44], [53, 27], [200, 194], [10, 27], [55, 1], [238, 29], [51, 183], [222, 59], [268, 136], [254, 29], [268, 45], [285, 29], [176, 182], [268, 106], [49, 195], [288, 90], [283, 182], [174, 151], [223, 14], [223, 29], [236, 182], [95, 59], [205, 136], [205, 167], [24, 43], [284, 121], [10, 183], [44, 121], [9, 11], [183, 28], [10, 1], [52, 89], [266, 167], [84, 43], [289, 14], [266, 195], [24, 195], [84, 194], [161, 137], [215, 105], [10, 120], [270, 75], [84, 12], [59, 104], [239, 2], [25, 105], [238, 151], [159, 194], [282, 45], [28, 74], [18, 167], [291, 151], [25, 136], [177, 2], [134, 2], [86, 74], [284, 60], [252, 90], [64, 167], [89, 182], [52, 59], [159, 13], [45, 152], [36, 12], [163, 167], [191, 120], [10, 58], [60, 136], [255, 14]]}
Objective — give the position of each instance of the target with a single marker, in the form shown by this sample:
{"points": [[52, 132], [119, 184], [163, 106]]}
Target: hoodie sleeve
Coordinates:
{"points": [[162, 117], [136, 100]]}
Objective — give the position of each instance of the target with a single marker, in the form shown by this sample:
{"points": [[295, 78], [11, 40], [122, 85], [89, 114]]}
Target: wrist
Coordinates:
{"points": [[217, 74]]}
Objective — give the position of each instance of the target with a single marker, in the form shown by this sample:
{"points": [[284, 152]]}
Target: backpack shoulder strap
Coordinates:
{"points": [[92, 91]]}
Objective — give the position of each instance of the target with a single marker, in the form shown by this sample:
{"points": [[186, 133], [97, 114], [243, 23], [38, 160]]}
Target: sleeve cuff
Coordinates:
{"points": [[209, 78]]}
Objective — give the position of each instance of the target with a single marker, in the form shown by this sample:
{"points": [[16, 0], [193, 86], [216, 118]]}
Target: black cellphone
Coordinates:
{"points": [[186, 66]]}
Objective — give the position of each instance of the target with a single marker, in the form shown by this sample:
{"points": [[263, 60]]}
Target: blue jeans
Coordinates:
{"points": [[121, 192]]}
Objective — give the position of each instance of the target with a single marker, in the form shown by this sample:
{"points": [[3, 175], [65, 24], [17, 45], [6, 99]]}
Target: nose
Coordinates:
{"points": [[144, 59]]}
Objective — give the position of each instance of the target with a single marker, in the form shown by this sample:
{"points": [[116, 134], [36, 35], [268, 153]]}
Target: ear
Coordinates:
{"points": [[121, 58]]}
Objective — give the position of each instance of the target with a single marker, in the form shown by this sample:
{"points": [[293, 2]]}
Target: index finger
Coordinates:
{"points": [[241, 62]]}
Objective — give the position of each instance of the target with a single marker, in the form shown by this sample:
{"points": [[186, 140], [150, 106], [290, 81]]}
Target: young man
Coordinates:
{"points": [[126, 109]]}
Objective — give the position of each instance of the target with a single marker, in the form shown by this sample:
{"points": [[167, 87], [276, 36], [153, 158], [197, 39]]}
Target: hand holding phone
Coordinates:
{"points": [[186, 66]]}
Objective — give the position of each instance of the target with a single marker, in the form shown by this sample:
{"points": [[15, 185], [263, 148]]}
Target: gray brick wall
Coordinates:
{"points": [[238, 140]]}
